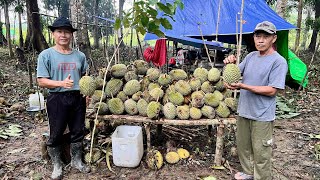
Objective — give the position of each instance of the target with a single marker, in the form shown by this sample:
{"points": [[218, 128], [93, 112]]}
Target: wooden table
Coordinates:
{"points": [[219, 122]]}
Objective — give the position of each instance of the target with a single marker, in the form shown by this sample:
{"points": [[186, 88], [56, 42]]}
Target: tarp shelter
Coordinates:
{"points": [[203, 15]]}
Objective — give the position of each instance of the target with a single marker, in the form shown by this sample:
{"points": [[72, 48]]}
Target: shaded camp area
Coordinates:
{"points": [[211, 19]]}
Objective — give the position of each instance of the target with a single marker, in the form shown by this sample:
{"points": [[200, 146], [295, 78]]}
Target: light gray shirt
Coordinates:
{"points": [[259, 70], [57, 66]]}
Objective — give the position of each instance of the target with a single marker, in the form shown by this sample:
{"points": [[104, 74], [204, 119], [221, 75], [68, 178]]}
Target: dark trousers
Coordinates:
{"points": [[66, 108]]}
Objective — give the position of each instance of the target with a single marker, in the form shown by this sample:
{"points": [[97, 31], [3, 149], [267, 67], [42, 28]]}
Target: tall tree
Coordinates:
{"points": [[5, 4], [316, 24], [296, 46], [61, 5], [95, 27], [308, 24], [19, 10], [78, 17], [121, 4], [34, 32]]}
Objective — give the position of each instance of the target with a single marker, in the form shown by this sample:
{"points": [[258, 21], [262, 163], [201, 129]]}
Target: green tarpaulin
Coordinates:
{"points": [[297, 68]]}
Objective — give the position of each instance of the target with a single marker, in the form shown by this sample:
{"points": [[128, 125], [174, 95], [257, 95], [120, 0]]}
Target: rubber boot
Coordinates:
{"points": [[76, 161], [55, 155]]}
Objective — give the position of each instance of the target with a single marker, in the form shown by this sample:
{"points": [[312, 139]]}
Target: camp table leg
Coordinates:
{"points": [[159, 130], [147, 128], [219, 145]]}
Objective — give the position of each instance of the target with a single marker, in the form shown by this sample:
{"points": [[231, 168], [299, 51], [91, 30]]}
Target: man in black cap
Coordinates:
{"points": [[264, 73], [60, 69]]}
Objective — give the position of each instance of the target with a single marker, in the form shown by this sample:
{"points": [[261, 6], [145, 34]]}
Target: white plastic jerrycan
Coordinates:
{"points": [[36, 100]]}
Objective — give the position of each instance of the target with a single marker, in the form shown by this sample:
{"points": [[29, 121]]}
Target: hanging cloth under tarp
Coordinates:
{"points": [[157, 55]]}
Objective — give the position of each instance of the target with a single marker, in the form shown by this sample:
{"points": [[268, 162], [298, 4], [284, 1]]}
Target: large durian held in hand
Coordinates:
{"points": [[231, 73]]}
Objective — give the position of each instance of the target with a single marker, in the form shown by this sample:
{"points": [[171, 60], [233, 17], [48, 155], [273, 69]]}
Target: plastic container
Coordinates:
{"points": [[36, 101], [127, 146]]}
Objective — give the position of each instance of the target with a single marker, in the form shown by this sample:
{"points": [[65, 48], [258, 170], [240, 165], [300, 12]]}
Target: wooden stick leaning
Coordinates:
{"points": [[103, 87], [240, 40], [205, 46], [217, 30]]}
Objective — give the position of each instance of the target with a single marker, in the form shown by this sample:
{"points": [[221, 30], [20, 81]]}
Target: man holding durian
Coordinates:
{"points": [[59, 69], [263, 74]]}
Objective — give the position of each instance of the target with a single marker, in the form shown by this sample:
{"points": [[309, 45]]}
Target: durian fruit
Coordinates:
{"points": [[172, 157], [195, 113], [182, 87], [183, 112], [208, 112], [97, 95], [136, 96], [165, 98], [101, 73], [187, 99], [218, 94], [223, 110], [131, 107], [201, 73], [96, 154], [131, 87], [153, 85], [99, 83], [195, 84], [231, 73], [231, 103], [178, 74], [169, 110], [87, 123], [121, 95], [219, 85], [87, 85], [130, 75], [141, 105], [227, 93], [154, 159], [153, 110], [116, 106], [207, 87], [183, 153], [176, 98], [170, 89], [141, 67], [211, 99], [214, 75], [164, 80], [153, 74], [197, 99], [156, 94], [118, 70], [113, 87], [103, 108], [146, 95], [145, 83]]}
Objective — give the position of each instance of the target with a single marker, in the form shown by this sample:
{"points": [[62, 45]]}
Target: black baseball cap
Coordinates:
{"points": [[62, 22]]}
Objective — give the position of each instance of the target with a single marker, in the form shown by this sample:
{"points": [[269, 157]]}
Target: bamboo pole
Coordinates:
{"points": [[205, 46], [103, 87], [217, 30]]}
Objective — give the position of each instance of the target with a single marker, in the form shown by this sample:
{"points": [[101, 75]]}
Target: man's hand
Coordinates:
{"points": [[233, 85], [67, 83], [230, 59]]}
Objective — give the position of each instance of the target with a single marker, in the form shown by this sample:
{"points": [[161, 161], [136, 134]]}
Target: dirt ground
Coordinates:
{"points": [[21, 157]]}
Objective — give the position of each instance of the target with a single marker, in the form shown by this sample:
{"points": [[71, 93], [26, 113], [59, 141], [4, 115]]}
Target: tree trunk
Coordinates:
{"points": [[81, 36], [315, 31], [281, 8], [20, 31], [296, 46], [305, 31], [6, 17], [36, 38], [121, 3], [64, 8], [95, 27]]}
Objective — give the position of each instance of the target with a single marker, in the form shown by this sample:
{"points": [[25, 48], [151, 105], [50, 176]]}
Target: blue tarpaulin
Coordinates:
{"points": [[203, 14]]}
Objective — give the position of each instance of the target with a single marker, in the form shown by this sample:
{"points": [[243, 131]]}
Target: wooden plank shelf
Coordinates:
{"points": [[219, 122]]}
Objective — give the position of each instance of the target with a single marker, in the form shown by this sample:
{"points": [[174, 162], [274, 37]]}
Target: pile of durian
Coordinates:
{"points": [[139, 90]]}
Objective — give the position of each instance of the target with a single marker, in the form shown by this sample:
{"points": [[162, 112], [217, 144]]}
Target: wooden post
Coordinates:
{"points": [[147, 128], [219, 145]]}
